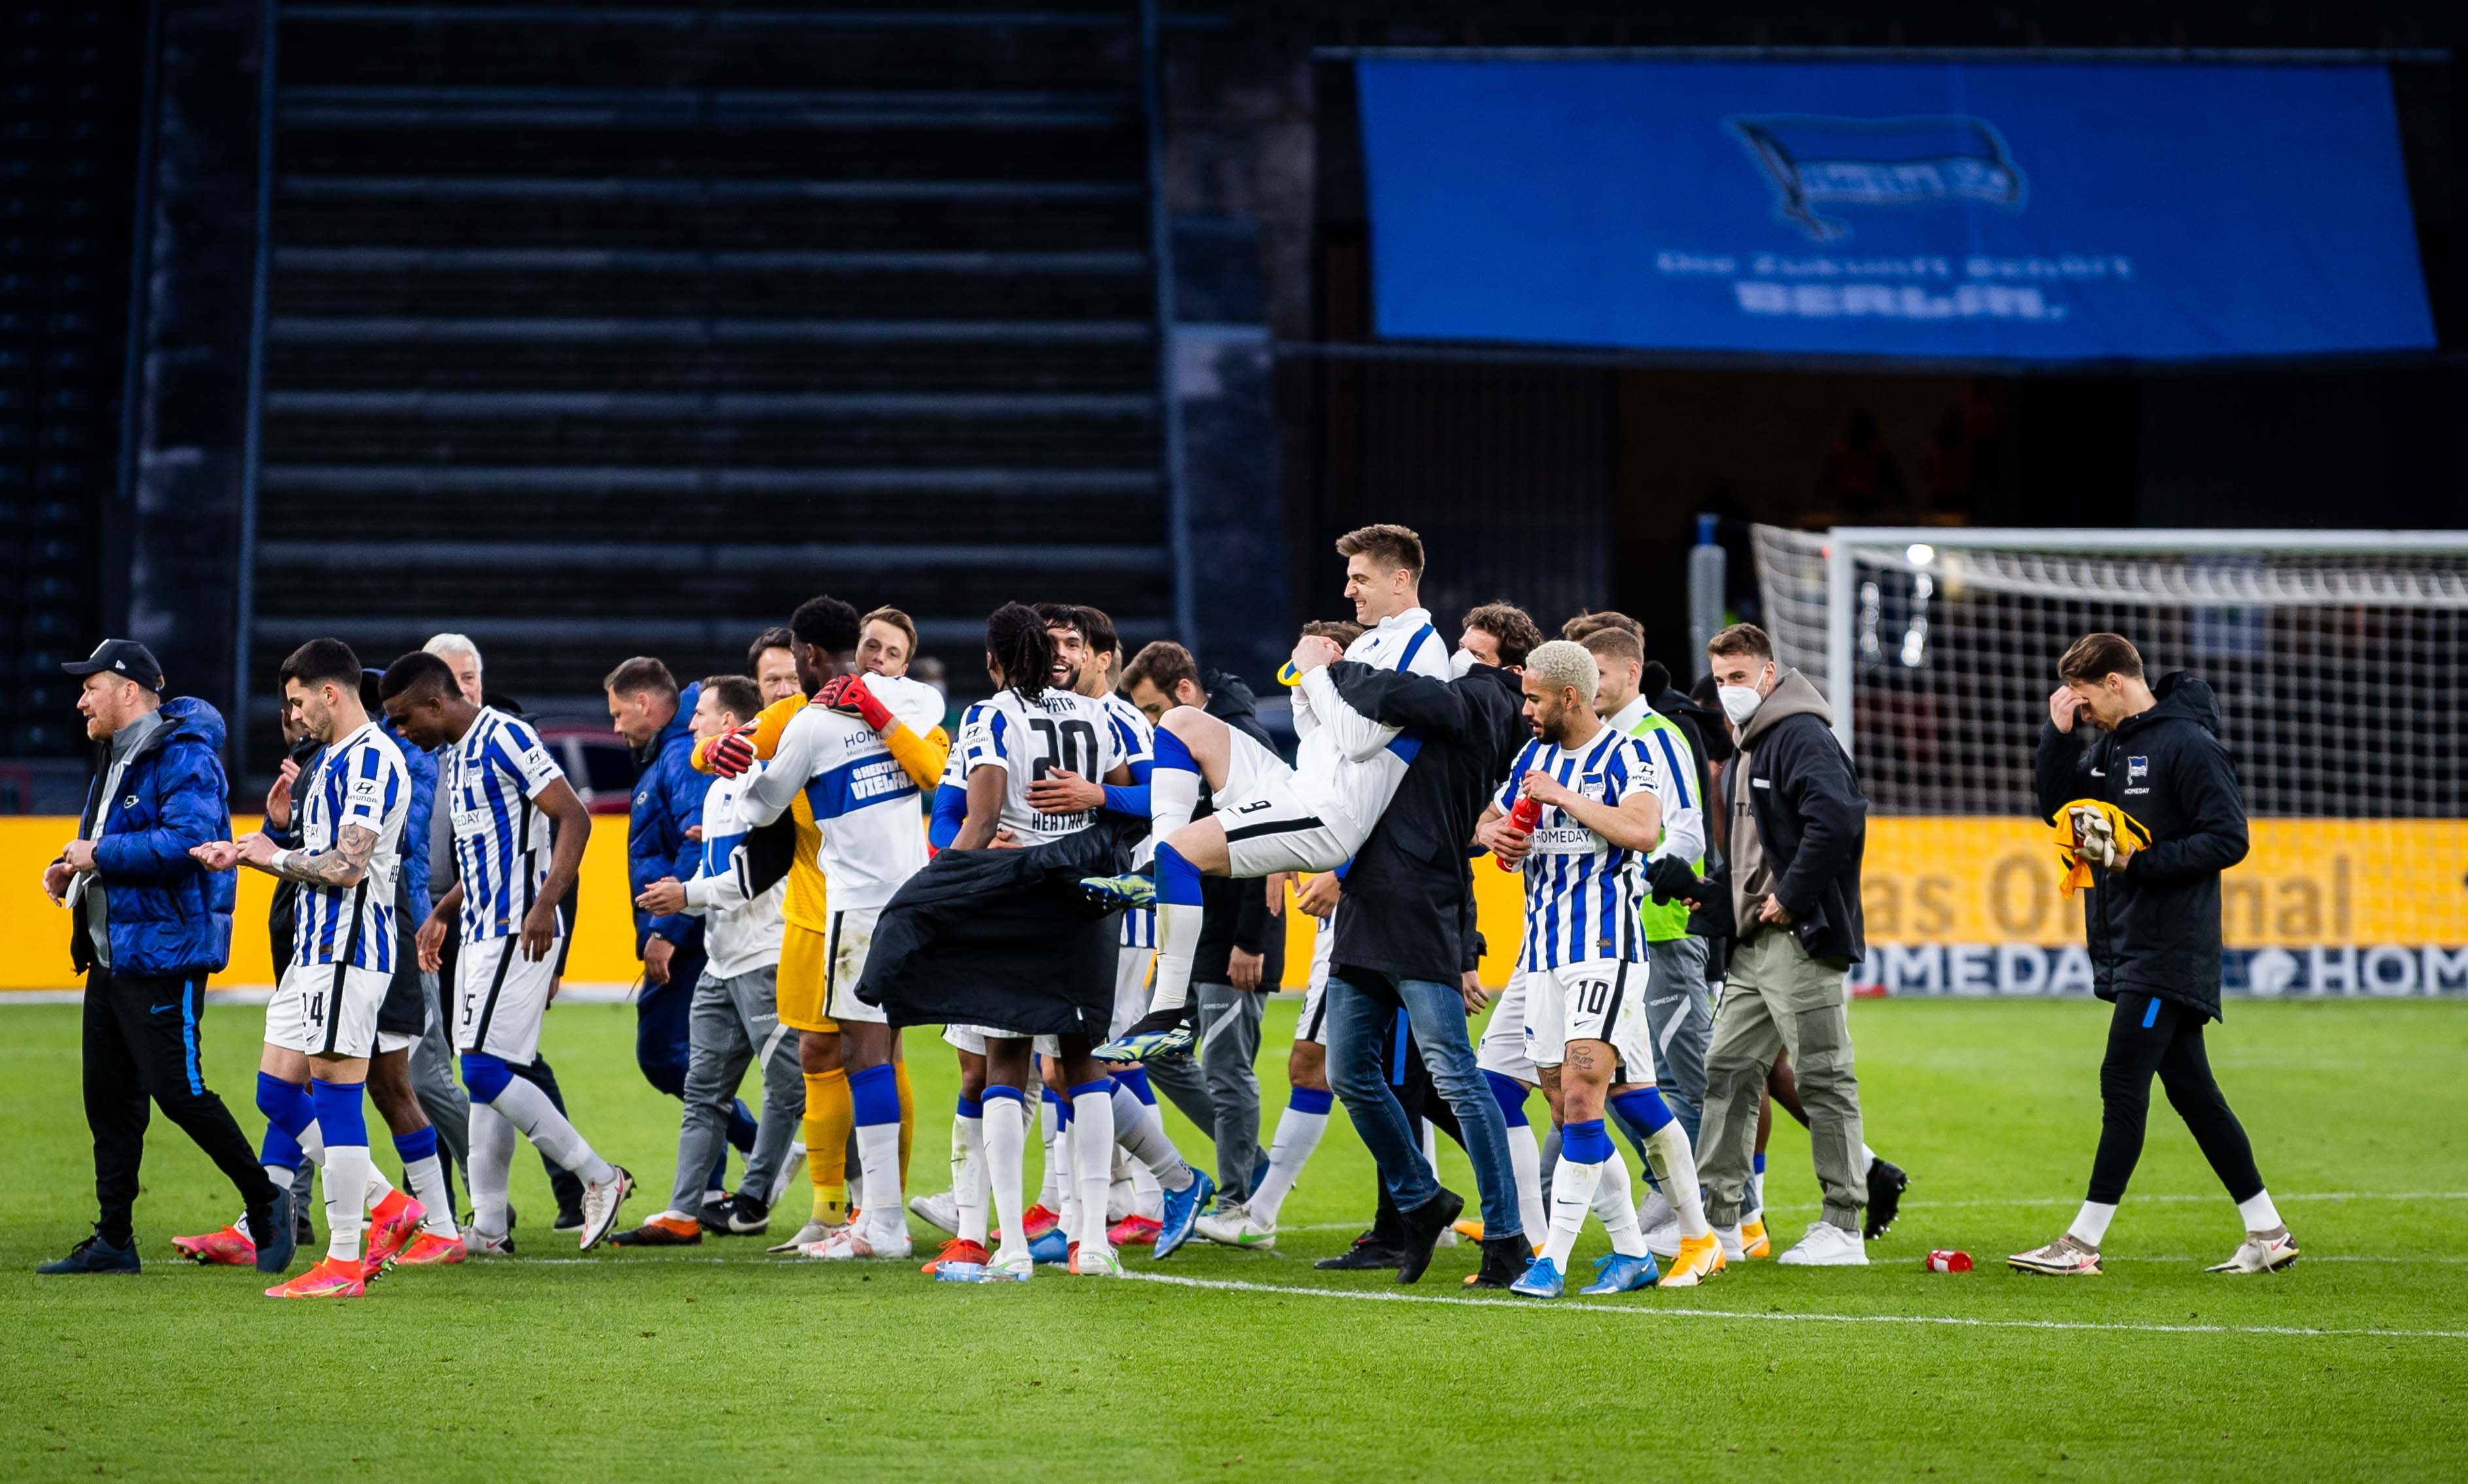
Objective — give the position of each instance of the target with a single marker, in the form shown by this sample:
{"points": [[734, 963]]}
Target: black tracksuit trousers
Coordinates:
{"points": [[142, 1043], [2150, 1035]]}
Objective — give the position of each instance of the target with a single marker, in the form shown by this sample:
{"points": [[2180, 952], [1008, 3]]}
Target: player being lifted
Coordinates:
{"points": [[1311, 816], [502, 790], [1027, 729], [1583, 968], [321, 1025]]}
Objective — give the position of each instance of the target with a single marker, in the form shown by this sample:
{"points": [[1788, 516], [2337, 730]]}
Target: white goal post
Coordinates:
{"points": [[2340, 664]]}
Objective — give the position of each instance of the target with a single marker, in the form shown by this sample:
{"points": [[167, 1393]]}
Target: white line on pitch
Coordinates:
{"points": [[2132, 1199], [1237, 1286]]}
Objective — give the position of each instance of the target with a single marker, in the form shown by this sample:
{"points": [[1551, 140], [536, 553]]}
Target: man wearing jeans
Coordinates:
{"points": [[1798, 824], [1404, 940]]}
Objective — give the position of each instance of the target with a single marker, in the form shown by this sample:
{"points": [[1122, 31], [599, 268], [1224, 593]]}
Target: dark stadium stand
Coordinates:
{"points": [[617, 330]]}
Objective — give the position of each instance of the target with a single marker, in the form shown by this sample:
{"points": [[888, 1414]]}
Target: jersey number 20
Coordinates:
{"points": [[1070, 745]]}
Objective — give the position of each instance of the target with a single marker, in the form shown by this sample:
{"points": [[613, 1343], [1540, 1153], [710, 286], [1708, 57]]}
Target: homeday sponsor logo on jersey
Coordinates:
{"points": [[1979, 971]]}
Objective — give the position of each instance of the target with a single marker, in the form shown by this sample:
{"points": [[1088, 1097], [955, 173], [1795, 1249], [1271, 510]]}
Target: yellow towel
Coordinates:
{"points": [[2078, 870]]}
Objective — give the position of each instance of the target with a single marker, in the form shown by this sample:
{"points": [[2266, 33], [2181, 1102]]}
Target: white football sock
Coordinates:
{"points": [[1431, 1148], [426, 1179], [1867, 1160], [492, 1163], [2259, 1214], [968, 1175], [1178, 943], [1525, 1158], [1298, 1134], [878, 1178], [1060, 1162], [348, 1171], [527, 1108], [1092, 1157], [1675, 1166], [1006, 1125], [1174, 794], [1572, 1195], [2091, 1224], [1615, 1206], [1049, 1129], [1148, 1197], [1141, 1131]]}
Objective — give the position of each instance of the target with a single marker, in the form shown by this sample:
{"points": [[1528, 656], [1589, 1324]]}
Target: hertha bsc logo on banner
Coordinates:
{"points": [[1877, 162]]}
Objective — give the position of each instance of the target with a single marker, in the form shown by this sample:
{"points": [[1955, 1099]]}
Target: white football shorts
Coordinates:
{"points": [[851, 937], [327, 1010], [1601, 1000], [500, 998]]}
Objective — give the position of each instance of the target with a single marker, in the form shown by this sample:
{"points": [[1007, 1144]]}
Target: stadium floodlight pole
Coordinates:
{"points": [[1708, 577], [1838, 608]]}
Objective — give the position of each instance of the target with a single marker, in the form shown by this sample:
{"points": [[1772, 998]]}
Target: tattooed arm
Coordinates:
{"points": [[343, 864]]}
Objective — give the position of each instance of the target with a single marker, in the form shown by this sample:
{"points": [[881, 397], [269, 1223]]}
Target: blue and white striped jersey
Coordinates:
{"points": [[1025, 738], [1136, 739], [488, 781], [361, 780], [1582, 893]]}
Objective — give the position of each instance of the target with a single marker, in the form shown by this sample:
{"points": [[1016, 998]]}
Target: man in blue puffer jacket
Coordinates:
{"points": [[151, 925]]}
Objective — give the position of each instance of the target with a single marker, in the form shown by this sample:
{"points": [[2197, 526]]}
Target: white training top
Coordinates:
{"points": [[486, 782], [1348, 765], [1026, 738], [361, 780], [865, 802], [741, 928], [1583, 894]]}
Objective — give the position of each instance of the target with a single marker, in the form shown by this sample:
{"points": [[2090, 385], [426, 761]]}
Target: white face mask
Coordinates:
{"points": [[1740, 703], [1460, 662]]}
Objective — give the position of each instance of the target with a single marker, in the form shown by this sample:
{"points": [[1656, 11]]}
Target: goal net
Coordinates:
{"points": [[2340, 660]]}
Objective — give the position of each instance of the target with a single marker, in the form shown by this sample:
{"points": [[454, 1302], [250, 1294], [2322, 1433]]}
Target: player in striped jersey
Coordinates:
{"points": [[1270, 818], [321, 1024], [502, 790], [1028, 729], [1584, 965], [827, 640]]}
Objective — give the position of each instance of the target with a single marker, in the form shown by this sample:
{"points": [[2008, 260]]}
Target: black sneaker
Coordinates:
{"points": [[1374, 1248], [568, 1222], [745, 1216], [657, 1233], [1503, 1262], [96, 1255], [1422, 1226], [1886, 1183], [275, 1253]]}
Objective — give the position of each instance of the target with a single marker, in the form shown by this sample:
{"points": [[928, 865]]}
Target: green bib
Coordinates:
{"points": [[1669, 920]]}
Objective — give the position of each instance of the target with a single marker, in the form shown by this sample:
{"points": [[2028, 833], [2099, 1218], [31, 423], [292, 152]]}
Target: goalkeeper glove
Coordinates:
{"points": [[1671, 878], [2094, 838], [856, 698], [733, 754]]}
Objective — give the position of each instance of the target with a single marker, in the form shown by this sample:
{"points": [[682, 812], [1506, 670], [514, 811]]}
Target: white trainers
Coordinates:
{"points": [[2259, 1253], [941, 1211], [480, 1243], [602, 1203], [1826, 1245], [815, 1230], [1010, 1268], [853, 1243], [1654, 1210], [1729, 1238], [1662, 1239], [1095, 1262], [2063, 1258], [1231, 1224]]}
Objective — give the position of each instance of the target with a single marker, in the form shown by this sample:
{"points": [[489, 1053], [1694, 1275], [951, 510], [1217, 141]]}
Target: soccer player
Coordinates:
{"points": [[502, 790], [861, 800], [737, 891], [828, 638], [321, 1024], [1088, 655], [1585, 973], [1027, 729], [1271, 818]]}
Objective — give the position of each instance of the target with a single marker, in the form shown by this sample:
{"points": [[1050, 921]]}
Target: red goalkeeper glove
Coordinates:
{"points": [[855, 699], [732, 754]]}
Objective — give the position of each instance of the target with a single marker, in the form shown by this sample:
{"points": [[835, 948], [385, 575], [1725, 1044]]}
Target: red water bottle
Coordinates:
{"points": [[1944, 1259], [1527, 813]]}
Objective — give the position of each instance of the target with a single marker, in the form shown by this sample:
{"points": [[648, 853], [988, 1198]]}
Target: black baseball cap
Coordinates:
{"points": [[124, 657]]}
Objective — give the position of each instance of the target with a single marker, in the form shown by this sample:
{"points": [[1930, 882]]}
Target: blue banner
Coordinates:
{"points": [[2021, 211]]}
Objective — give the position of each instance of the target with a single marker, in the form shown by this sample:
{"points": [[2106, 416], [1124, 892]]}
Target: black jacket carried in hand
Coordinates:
{"points": [[1408, 893], [1234, 913], [1812, 819], [2154, 927]]}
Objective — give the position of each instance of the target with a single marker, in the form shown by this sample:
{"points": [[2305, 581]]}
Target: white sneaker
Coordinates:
{"points": [[2259, 1253], [815, 1230], [792, 1171], [941, 1211], [1663, 1239], [1231, 1224], [2063, 1258], [1010, 1268], [1827, 1245], [480, 1243], [1095, 1262], [853, 1243], [1729, 1238], [1654, 1211], [600, 1205]]}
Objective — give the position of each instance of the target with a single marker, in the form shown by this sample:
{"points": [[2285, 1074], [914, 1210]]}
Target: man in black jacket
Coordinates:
{"points": [[2152, 920], [1798, 825], [1404, 938], [1242, 944]]}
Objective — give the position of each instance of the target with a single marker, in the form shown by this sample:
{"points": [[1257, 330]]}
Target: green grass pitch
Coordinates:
{"points": [[723, 1361]]}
